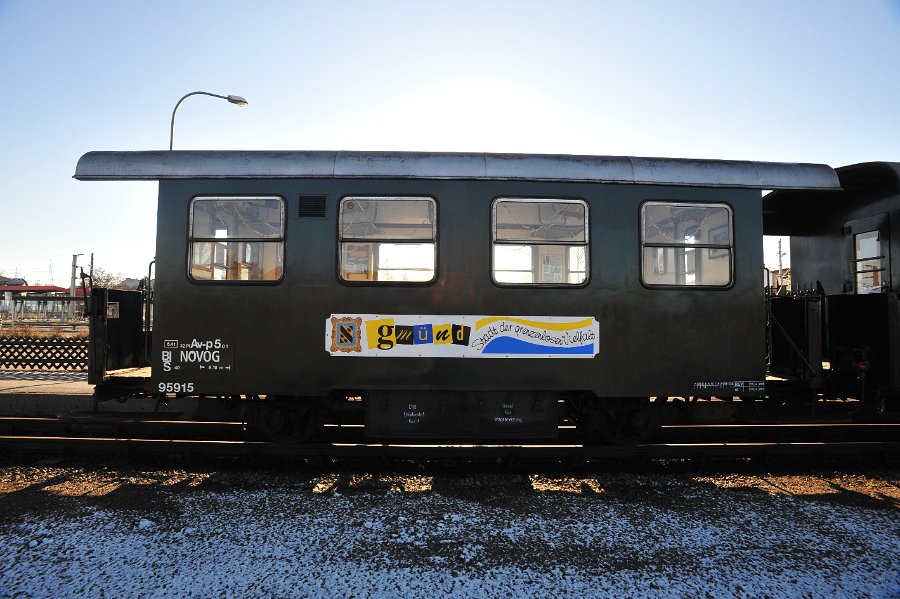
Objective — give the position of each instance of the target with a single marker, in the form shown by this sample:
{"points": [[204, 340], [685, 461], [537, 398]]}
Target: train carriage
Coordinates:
{"points": [[443, 295], [839, 334]]}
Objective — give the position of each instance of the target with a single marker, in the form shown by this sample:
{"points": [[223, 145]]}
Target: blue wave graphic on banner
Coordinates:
{"points": [[508, 345]]}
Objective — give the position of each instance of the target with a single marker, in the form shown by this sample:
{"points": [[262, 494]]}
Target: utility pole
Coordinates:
{"points": [[72, 286], [780, 265]]}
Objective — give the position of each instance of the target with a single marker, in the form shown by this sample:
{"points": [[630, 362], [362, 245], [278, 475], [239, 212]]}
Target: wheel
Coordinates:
{"points": [[627, 423], [799, 406], [616, 421], [287, 420]]}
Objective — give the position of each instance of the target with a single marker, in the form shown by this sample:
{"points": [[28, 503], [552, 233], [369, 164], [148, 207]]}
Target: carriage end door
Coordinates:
{"points": [[868, 245]]}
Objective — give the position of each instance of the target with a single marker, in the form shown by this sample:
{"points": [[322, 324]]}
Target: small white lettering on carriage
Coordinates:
{"points": [[207, 355], [176, 387], [205, 344], [193, 355], [736, 386]]}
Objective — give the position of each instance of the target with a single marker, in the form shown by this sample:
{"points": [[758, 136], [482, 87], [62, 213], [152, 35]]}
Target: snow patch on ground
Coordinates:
{"points": [[283, 541]]}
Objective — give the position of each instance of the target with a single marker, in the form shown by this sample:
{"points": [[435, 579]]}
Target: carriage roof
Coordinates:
{"points": [[164, 165]]}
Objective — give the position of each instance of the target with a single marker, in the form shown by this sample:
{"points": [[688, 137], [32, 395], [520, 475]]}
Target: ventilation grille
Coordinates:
{"points": [[312, 207]]}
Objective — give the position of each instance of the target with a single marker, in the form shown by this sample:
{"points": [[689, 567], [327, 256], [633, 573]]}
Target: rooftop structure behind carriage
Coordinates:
{"points": [[459, 295]]}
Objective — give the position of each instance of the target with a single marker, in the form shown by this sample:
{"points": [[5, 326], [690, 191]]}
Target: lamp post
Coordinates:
{"points": [[233, 99]]}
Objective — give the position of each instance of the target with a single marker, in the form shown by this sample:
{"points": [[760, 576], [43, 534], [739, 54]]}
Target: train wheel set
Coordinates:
{"points": [[622, 422]]}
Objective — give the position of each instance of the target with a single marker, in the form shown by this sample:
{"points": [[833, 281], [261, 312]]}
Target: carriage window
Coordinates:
{"points": [[869, 268], [686, 244], [540, 241], [237, 239], [388, 239]]}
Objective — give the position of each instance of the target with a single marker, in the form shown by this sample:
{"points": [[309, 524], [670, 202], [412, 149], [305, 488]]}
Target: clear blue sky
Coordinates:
{"points": [[798, 81]]}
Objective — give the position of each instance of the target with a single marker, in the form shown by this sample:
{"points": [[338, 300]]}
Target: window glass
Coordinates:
{"points": [[237, 239], [675, 223], [405, 231], [687, 266], [540, 241], [540, 221], [869, 267], [387, 218], [236, 218], [577, 265], [686, 244], [513, 264]]}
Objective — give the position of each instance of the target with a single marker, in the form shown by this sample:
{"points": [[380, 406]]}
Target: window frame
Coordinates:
{"points": [[191, 240], [642, 245], [858, 261], [520, 242], [339, 273]]}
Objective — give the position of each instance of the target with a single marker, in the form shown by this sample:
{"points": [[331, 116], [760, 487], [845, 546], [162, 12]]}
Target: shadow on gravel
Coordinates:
{"points": [[29, 490], [28, 486], [878, 490]]}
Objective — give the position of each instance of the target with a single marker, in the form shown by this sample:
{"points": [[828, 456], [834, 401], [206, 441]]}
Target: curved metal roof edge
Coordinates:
{"points": [[890, 170], [161, 164]]}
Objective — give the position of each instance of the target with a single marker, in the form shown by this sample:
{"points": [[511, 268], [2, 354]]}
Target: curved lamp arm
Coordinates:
{"points": [[233, 99]]}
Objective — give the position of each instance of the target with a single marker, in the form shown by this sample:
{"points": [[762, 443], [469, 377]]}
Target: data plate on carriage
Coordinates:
{"points": [[460, 415], [206, 355]]}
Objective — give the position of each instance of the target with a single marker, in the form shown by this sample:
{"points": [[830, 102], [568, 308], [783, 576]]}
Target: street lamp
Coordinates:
{"points": [[233, 99]]}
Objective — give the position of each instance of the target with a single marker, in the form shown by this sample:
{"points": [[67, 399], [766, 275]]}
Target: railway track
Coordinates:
{"points": [[172, 427], [140, 435], [702, 451]]}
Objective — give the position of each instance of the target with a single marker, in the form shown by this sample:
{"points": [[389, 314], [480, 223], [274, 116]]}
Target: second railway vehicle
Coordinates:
{"points": [[497, 296]]}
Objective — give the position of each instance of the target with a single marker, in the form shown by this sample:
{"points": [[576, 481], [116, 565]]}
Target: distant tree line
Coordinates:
{"points": [[103, 278]]}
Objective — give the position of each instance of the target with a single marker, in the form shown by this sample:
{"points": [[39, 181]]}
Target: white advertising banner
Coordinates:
{"points": [[461, 336]]}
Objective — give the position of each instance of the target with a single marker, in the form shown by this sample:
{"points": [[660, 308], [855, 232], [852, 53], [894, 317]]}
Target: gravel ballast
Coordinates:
{"points": [[75, 530]]}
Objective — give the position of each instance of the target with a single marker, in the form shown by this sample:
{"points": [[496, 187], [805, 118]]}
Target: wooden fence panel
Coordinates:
{"points": [[41, 353]]}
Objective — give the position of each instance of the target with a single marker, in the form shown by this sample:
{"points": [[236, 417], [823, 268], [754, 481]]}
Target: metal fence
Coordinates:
{"points": [[40, 308]]}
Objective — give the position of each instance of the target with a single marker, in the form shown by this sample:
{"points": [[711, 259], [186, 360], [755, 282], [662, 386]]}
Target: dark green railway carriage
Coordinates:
{"points": [[457, 294], [841, 331]]}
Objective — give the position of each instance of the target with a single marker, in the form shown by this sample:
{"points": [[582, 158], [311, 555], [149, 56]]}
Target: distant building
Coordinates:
{"points": [[6, 281], [34, 302], [130, 283], [781, 279], [25, 290]]}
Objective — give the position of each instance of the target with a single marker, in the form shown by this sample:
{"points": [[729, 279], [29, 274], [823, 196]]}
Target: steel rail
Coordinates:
{"points": [[150, 425], [467, 452]]}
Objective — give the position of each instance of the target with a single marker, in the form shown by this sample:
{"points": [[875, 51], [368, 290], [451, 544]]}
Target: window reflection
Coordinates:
{"points": [[686, 244], [405, 230], [869, 266], [237, 239], [540, 241]]}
